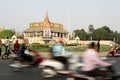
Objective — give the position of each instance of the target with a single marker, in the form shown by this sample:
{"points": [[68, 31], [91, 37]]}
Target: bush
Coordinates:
{"points": [[104, 48], [6, 33], [72, 44], [39, 47], [70, 47]]}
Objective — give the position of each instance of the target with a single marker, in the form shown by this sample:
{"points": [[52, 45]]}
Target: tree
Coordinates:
{"points": [[116, 35], [107, 29], [90, 32], [91, 28], [6, 33], [102, 33], [81, 34]]}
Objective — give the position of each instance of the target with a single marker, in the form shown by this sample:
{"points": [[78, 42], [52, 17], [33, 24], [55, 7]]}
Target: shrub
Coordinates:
{"points": [[37, 45], [73, 44], [6, 33]]}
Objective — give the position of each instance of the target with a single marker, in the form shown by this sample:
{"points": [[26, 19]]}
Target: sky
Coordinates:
{"points": [[73, 14]]}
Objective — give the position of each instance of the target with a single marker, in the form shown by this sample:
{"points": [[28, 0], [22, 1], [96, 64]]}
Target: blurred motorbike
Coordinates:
{"points": [[7, 54], [17, 65], [51, 67], [113, 52], [80, 75]]}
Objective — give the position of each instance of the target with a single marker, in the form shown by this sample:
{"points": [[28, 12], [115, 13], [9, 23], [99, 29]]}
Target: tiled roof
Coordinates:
{"points": [[33, 29], [59, 30], [41, 29]]}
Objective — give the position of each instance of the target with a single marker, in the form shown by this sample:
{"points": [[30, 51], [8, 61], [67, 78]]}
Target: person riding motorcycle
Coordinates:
{"points": [[23, 57], [92, 63], [59, 53], [7, 49], [16, 46]]}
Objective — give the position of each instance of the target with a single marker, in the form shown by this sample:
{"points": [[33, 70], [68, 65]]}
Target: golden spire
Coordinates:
{"points": [[46, 18]]}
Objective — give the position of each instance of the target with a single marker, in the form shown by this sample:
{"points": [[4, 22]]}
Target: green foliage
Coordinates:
{"points": [[72, 44], [102, 33], [81, 34], [6, 33], [104, 48], [91, 28], [39, 47], [70, 48], [75, 48]]}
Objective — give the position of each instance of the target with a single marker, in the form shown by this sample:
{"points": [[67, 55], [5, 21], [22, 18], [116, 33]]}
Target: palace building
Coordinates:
{"points": [[45, 32]]}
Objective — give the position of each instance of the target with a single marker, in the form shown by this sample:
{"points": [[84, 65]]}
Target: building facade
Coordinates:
{"points": [[45, 32]]}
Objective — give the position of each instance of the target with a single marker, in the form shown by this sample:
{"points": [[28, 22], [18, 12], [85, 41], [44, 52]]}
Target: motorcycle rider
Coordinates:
{"points": [[111, 52], [16, 46], [7, 43], [59, 53], [91, 63], [7, 48], [23, 57]]}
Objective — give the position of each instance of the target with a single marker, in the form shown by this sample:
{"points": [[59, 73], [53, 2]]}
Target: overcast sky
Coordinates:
{"points": [[73, 14]]}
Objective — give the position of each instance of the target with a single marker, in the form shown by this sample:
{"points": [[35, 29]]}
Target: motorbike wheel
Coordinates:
{"points": [[4, 56], [116, 77], [15, 69], [48, 72]]}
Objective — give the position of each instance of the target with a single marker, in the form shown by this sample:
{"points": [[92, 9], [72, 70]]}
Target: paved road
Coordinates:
{"points": [[27, 74], [33, 74]]}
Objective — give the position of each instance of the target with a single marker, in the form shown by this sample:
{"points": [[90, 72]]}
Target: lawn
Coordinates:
{"points": [[103, 48]]}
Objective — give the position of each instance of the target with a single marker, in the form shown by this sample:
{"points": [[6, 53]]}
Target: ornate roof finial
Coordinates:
{"points": [[46, 17]]}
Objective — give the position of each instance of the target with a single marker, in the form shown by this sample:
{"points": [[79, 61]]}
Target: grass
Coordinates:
{"points": [[103, 48], [40, 49]]}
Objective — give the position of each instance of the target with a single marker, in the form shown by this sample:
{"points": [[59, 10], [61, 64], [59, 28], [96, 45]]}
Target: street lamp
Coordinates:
{"points": [[114, 40], [73, 35], [91, 38]]}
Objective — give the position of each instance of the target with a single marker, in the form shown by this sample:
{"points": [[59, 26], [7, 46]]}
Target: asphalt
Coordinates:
{"points": [[6, 72]]}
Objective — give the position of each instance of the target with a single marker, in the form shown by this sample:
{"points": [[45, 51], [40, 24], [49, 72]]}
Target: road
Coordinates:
{"points": [[26, 74], [34, 74]]}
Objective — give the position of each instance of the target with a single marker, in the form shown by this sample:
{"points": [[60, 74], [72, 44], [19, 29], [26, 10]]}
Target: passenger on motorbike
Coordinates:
{"points": [[111, 52], [16, 46], [59, 53], [22, 55], [92, 63]]}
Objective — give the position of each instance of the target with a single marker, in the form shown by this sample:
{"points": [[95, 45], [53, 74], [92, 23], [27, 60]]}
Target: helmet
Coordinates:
{"points": [[60, 40]]}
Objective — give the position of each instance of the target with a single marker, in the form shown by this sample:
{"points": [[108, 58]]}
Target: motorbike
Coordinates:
{"points": [[80, 75], [7, 54], [51, 67], [17, 65], [113, 53]]}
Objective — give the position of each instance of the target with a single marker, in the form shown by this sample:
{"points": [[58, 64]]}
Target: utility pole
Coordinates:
{"points": [[114, 40]]}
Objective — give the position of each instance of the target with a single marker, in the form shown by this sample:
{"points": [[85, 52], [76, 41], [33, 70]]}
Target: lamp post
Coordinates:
{"points": [[91, 38], [114, 40], [73, 35]]}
